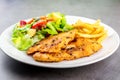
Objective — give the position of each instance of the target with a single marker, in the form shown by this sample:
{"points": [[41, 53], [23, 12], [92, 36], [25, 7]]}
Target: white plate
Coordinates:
{"points": [[110, 45]]}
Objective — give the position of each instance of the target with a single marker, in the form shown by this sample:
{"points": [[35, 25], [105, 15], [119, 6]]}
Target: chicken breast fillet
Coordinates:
{"points": [[53, 44], [80, 47]]}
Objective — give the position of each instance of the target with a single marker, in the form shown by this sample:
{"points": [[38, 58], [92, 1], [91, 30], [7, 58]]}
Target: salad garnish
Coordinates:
{"points": [[26, 33]]}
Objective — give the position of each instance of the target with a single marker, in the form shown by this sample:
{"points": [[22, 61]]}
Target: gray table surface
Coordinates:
{"points": [[11, 11]]}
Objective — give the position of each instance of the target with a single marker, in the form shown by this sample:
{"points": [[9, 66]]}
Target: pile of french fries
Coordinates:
{"points": [[93, 31]]}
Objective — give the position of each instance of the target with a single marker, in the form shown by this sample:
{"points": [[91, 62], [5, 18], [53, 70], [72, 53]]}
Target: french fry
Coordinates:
{"points": [[93, 31], [91, 35], [102, 38], [98, 30], [88, 26], [86, 30], [80, 24], [97, 23]]}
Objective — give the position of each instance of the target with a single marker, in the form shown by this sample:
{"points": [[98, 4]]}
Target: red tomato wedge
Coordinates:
{"points": [[39, 24]]}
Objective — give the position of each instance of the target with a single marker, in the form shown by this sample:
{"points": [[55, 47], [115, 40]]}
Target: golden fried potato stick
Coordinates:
{"points": [[99, 40], [80, 24], [90, 35], [94, 31]]}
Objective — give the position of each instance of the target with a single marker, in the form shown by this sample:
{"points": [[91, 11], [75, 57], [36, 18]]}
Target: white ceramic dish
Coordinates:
{"points": [[110, 45]]}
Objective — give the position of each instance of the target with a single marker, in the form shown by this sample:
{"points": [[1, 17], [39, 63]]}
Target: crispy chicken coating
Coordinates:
{"points": [[53, 44], [80, 48], [64, 46]]}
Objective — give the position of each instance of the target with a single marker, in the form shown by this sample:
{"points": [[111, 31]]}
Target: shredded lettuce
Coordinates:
{"points": [[20, 38], [58, 25], [22, 43]]}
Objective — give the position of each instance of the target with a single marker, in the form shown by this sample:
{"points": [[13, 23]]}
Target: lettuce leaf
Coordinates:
{"points": [[22, 40], [22, 43]]}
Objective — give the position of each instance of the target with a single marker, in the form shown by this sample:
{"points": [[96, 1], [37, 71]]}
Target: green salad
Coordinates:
{"points": [[26, 33]]}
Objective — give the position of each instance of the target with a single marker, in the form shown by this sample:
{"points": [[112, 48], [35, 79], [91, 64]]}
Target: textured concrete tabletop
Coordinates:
{"points": [[11, 11]]}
